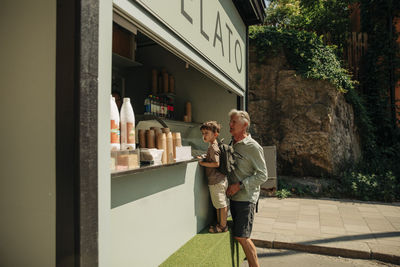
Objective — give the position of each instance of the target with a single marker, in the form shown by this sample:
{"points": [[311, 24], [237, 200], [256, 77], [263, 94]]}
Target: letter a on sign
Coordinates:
{"points": [[218, 36]]}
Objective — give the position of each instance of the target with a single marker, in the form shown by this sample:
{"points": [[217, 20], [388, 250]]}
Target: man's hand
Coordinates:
{"points": [[233, 189]]}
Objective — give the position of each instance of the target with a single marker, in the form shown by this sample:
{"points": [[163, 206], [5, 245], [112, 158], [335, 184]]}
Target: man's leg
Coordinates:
{"points": [[250, 250], [242, 226]]}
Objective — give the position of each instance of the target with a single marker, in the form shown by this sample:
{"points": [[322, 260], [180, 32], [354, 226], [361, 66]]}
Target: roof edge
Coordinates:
{"points": [[251, 11]]}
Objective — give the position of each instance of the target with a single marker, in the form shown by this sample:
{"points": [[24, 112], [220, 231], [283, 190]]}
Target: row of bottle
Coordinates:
{"points": [[124, 139], [159, 106]]}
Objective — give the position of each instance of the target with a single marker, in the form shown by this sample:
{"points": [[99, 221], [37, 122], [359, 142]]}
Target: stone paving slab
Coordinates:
{"points": [[346, 228]]}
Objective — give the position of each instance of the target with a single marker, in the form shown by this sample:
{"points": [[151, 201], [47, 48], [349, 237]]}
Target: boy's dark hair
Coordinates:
{"points": [[212, 126]]}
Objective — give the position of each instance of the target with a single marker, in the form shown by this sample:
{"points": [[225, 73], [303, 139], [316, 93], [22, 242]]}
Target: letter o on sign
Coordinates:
{"points": [[239, 69]]}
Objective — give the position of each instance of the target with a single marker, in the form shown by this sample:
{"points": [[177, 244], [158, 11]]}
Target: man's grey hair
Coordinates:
{"points": [[242, 115]]}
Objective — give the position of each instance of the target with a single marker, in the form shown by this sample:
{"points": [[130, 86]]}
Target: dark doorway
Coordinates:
{"points": [[76, 133]]}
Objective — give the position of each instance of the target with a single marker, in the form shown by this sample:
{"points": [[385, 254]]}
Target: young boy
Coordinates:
{"points": [[217, 182]]}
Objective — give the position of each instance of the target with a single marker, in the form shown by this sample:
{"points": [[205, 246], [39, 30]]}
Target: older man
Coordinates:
{"points": [[244, 183]]}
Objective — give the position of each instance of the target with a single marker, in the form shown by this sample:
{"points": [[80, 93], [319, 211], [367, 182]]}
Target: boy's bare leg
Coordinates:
{"points": [[218, 216], [250, 250], [223, 216]]}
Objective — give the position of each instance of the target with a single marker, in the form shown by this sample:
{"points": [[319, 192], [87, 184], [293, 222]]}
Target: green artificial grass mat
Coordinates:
{"points": [[206, 249]]}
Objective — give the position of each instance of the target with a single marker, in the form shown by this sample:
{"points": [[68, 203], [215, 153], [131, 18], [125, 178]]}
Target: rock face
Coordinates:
{"points": [[308, 121]]}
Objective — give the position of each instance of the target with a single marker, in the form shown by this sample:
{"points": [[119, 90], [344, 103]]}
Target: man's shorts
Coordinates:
{"points": [[243, 216], [218, 194]]}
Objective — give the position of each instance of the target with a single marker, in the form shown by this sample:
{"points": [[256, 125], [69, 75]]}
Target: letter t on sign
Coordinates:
{"points": [[229, 41], [183, 12]]}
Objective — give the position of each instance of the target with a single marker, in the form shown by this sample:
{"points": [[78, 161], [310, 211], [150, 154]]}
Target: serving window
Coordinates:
{"points": [[170, 99]]}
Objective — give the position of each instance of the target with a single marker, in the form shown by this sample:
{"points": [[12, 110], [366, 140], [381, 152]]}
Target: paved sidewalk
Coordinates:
{"points": [[344, 228]]}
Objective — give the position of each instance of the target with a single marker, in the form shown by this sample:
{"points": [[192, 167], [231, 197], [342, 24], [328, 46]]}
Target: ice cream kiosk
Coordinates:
{"points": [[186, 63]]}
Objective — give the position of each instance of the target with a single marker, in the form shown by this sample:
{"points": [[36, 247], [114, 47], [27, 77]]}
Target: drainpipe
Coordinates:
{"points": [[246, 98], [392, 71]]}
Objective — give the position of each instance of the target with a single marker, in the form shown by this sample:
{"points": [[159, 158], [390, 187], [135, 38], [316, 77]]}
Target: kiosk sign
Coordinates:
{"points": [[212, 27]]}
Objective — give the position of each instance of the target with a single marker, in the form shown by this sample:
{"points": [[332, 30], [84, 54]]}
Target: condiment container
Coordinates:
{"points": [[127, 126], [160, 82], [170, 149], [115, 133], [142, 138], [150, 139], [157, 130], [171, 88], [165, 130], [177, 141], [162, 144], [183, 153], [127, 160], [165, 81], [151, 155]]}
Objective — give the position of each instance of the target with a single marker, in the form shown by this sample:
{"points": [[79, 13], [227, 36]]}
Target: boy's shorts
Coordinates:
{"points": [[218, 194], [242, 216]]}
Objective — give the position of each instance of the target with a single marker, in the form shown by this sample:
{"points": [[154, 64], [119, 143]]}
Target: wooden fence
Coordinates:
{"points": [[357, 45], [353, 52]]}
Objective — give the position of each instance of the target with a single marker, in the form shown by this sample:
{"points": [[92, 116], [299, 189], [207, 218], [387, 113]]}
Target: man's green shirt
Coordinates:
{"points": [[250, 169]]}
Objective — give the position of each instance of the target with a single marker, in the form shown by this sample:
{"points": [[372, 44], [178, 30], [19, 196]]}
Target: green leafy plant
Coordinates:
{"points": [[283, 193], [366, 184], [283, 14], [293, 188], [319, 16]]}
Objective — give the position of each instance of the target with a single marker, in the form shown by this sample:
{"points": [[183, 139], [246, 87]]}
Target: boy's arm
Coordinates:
{"points": [[209, 164], [213, 161]]}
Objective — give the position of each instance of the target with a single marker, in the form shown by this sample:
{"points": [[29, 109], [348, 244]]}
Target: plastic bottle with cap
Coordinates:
{"points": [[115, 133], [147, 106], [152, 105], [127, 125]]}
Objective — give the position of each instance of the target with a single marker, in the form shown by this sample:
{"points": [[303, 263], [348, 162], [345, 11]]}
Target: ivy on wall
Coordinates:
{"points": [[306, 52], [319, 16]]}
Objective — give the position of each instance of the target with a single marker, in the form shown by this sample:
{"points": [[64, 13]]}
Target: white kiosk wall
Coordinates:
{"points": [[27, 113]]}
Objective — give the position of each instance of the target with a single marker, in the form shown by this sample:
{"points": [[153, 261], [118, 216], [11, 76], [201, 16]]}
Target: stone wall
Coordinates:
{"points": [[308, 121]]}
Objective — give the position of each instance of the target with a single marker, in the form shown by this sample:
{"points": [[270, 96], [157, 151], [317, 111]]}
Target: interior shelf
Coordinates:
{"points": [[123, 62], [164, 122]]}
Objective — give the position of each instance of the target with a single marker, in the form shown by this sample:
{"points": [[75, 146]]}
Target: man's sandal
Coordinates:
{"points": [[218, 229]]}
